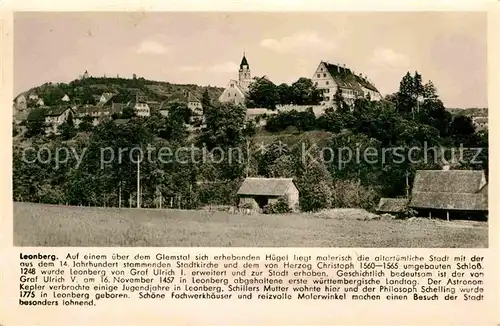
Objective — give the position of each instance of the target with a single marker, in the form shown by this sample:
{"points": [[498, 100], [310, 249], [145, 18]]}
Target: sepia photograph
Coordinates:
{"points": [[250, 129]]}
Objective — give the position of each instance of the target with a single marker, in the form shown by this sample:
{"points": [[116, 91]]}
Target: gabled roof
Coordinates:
{"points": [[107, 96], [451, 189], [392, 205], [450, 181], [23, 94], [56, 111], [236, 86], [177, 96], [90, 109], [345, 78], [266, 186], [192, 98]]}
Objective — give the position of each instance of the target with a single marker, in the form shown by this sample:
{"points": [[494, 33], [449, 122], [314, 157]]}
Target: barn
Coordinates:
{"points": [[450, 194], [259, 192]]}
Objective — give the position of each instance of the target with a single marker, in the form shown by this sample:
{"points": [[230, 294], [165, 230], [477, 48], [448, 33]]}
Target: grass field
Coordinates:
{"points": [[47, 225]]}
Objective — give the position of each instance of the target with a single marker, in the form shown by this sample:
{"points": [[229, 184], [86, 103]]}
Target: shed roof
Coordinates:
{"points": [[266, 186], [449, 181], [452, 189]]}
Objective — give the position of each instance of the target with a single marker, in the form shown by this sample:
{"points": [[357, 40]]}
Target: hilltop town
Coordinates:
{"points": [[95, 100], [333, 108]]}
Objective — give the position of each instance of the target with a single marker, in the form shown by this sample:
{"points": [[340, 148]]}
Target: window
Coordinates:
{"points": [[324, 75], [327, 82], [321, 69], [318, 75], [315, 83], [327, 98], [327, 90]]}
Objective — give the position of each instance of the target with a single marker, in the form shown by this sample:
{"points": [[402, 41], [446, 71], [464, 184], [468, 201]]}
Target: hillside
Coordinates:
{"points": [[81, 91], [469, 112]]}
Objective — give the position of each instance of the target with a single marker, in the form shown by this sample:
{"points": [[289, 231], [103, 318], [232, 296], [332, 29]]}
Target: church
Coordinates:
{"points": [[237, 90]]}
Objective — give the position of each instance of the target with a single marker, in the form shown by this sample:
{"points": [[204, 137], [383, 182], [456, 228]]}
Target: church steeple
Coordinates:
{"points": [[244, 62], [245, 77]]}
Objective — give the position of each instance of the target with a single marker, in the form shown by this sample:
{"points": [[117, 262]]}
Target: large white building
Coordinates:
{"points": [[331, 78]]}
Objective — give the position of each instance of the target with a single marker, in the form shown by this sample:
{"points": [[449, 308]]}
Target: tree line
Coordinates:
{"points": [[265, 94]]}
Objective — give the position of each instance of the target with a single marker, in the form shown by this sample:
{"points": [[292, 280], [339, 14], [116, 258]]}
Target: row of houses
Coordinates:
{"points": [[24, 101], [106, 108], [436, 193]]}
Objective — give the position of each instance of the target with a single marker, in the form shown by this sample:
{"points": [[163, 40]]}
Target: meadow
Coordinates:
{"points": [[54, 226]]}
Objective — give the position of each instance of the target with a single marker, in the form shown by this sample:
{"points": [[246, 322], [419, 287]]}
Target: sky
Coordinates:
{"points": [[448, 48]]}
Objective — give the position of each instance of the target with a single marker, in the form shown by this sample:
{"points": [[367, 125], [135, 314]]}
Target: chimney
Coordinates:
{"points": [[136, 97]]}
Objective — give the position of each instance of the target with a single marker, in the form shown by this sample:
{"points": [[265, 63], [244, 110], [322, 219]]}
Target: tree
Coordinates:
{"points": [[36, 122], [224, 124], [128, 112], [429, 91], [304, 92], [340, 103], [205, 99], [285, 94], [433, 113], [175, 128], [87, 96], [86, 124], [405, 99], [463, 131], [67, 128], [303, 121], [262, 94], [418, 88]]}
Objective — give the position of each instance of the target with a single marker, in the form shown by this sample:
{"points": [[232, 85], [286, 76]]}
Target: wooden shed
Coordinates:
{"points": [[459, 193], [259, 192]]}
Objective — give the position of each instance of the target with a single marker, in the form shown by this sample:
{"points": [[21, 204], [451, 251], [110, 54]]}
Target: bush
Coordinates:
{"points": [[281, 206], [352, 194]]}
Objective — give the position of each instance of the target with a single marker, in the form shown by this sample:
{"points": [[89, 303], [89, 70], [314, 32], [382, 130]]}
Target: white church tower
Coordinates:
{"points": [[245, 77]]}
